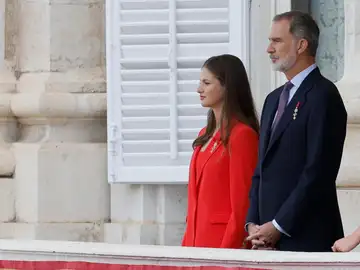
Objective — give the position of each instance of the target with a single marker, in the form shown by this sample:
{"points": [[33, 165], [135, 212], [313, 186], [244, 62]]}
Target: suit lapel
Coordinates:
{"points": [[287, 117], [269, 118], [212, 152]]}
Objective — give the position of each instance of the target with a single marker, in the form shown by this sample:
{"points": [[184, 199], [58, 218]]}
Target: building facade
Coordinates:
{"points": [[73, 71]]}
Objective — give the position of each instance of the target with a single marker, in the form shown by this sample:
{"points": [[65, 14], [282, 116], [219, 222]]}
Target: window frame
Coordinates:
{"points": [[239, 44]]}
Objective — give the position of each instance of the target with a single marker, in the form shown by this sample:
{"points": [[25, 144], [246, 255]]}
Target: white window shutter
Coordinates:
{"points": [[155, 49]]}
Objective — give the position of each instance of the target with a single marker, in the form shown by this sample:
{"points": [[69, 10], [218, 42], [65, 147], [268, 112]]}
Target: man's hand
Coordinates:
{"points": [[266, 235], [252, 230]]}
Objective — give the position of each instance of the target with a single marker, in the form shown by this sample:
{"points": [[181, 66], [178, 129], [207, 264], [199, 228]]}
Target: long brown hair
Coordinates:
{"points": [[238, 101]]}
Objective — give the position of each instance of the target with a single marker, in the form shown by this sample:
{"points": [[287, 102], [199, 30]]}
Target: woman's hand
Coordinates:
{"points": [[347, 243]]}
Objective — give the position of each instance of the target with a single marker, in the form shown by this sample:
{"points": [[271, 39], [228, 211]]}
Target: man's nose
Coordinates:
{"points": [[270, 49]]}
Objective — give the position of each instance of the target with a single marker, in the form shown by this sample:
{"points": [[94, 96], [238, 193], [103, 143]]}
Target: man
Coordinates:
{"points": [[293, 201]]}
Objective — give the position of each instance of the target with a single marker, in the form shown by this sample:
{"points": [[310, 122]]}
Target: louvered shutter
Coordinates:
{"points": [[155, 49]]}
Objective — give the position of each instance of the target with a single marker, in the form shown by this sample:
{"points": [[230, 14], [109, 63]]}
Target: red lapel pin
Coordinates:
{"points": [[296, 110]]}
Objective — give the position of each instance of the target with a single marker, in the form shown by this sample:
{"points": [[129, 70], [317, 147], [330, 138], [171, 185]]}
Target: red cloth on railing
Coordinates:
{"points": [[63, 265]]}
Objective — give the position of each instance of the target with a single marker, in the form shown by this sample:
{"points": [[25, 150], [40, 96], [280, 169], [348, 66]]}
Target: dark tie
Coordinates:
{"points": [[283, 100]]}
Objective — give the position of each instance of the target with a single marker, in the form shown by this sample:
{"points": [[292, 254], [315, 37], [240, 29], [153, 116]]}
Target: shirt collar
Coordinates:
{"points": [[300, 77]]}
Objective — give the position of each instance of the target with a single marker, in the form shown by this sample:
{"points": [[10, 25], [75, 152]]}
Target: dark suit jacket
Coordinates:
{"points": [[294, 182]]}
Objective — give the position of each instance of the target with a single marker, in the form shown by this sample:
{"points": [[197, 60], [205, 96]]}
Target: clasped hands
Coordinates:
{"points": [[263, 237]]}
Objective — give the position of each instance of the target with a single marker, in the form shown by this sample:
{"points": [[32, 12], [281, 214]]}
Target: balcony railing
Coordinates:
{"points": [[31, 255]]}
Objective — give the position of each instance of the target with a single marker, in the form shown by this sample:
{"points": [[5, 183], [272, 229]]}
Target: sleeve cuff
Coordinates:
{"points": [[246, 226], [278, 227]]}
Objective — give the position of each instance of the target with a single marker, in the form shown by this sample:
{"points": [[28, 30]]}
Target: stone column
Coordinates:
{"points": [[8, 124], [61, 182], [349, 176]]}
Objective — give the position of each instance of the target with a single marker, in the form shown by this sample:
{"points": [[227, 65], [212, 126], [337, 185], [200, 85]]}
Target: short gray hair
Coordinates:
{"points": [[302, 25]]}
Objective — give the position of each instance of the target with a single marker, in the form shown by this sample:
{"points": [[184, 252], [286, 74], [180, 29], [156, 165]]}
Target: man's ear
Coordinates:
{"points": [[303, 44]]}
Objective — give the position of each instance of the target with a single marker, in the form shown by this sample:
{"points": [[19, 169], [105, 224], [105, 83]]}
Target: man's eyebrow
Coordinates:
{"points": [[275, 39]]}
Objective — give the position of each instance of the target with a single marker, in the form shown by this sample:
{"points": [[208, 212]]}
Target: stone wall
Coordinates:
{"points": [[349, 175], [52, 81]]}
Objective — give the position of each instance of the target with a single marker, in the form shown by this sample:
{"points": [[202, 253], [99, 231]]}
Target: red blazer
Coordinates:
{"points": [[218, 199]]}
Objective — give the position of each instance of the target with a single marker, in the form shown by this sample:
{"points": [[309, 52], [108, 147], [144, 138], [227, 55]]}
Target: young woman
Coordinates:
{"points": [[224, 158], [347, 243]]}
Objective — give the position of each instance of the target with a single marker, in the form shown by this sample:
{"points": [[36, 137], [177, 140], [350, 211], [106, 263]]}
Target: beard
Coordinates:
{"points": [[285, 64]]}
